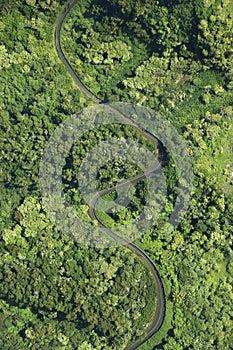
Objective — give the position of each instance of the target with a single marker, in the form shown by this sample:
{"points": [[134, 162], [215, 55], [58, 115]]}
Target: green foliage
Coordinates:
{"points": [[174, 56], [97, 46], [45, 270], [215, 32], [36, 96]]}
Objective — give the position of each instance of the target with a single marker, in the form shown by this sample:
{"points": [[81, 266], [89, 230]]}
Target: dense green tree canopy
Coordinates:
{"points": [[174, 56]]}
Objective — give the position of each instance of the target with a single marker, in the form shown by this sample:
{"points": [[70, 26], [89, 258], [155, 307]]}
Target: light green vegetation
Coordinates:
{"points": [[175, 57]]}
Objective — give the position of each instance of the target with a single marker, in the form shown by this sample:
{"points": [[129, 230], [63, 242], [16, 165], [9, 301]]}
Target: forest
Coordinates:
{"points": [[175, 57]]}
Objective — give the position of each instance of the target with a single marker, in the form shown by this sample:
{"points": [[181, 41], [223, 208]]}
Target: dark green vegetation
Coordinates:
{"points": [[46, 271], [62, 286], [140, 50], [175, 56], [112, 173]]}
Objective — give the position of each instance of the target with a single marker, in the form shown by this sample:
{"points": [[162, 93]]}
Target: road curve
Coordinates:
{"points": [[159, 313]]}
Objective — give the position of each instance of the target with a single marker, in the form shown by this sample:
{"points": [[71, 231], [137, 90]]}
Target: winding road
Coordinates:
{"points": [[159, 313]]}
